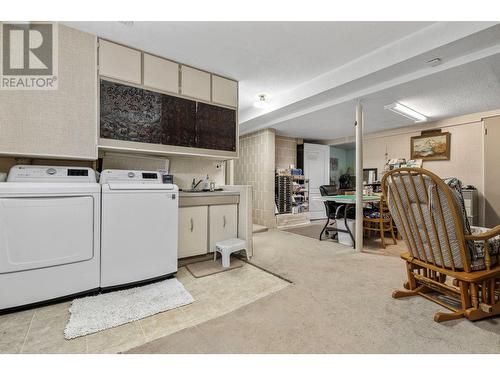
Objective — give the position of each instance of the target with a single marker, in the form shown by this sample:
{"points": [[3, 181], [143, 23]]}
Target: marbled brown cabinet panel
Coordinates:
{"points": [[138, 115], [216, 127], [178, 118]]}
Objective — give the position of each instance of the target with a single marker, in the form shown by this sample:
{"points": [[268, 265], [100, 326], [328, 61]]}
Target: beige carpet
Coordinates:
{"points": [[340, 302], [209, 267], [370, 245]]}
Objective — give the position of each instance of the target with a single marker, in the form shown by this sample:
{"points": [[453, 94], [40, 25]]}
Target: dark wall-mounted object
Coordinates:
{"points": [[216, 127], [138, 115], [178, 117], [130, 114]]}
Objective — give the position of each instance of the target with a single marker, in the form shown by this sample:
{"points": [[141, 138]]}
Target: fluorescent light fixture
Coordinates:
{"points": [[262, 103], [403, 110]]}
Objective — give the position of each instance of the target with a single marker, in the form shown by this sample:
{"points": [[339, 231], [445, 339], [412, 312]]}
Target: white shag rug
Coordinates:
{"points": [[107, 310]]}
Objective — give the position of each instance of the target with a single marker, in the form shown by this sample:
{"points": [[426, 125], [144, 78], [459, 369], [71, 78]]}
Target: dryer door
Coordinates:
{"points": [[45, 231]]}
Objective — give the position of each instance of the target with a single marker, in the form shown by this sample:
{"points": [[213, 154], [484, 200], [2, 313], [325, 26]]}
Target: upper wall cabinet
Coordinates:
{"points": [[116, 61], [161, 74], [149, 104], [224, 91], [195, 83]]}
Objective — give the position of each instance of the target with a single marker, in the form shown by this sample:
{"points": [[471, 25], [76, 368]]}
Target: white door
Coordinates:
{"points": [[139, 235], [223, 223], [317, 170], [41, 232]]}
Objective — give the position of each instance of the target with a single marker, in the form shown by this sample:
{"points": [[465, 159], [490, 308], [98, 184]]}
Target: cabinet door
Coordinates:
{"points": [[116, 61], [195, 83], [223, 223], [215, 127], [161, 74], [178, 121], [193, 231], [224, 91]]}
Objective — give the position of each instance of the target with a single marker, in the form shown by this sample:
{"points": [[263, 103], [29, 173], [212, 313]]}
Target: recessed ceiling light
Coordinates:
{"points": [[127, 23], [434, 62], [262, 102], [405, 111]]}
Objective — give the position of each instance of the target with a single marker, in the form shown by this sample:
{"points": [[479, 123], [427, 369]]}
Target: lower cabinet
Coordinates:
{"points": [[193, 231], [223, 223], [200, 227]]}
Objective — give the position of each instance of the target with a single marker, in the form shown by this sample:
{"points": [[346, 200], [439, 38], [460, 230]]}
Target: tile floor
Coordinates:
{"points": [[40, 330]]}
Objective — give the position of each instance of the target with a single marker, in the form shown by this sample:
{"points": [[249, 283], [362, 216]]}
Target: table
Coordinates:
{"points": [[345, 201]]}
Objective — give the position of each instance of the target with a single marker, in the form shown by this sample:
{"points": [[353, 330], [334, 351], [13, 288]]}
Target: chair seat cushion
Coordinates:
{"points": [[376, 215], [477, 250]]}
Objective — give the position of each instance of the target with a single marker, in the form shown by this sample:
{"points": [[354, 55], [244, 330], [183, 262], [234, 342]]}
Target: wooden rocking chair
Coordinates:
{"points": [[447, 262]]}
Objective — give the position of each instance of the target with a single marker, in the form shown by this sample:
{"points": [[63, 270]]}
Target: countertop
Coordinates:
{"points": [[208, 193]]}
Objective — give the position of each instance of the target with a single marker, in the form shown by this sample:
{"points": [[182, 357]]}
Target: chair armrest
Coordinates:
{"points": [[484, 236]]}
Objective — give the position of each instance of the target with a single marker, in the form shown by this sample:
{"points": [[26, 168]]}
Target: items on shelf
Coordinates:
{"points": [[291, 191], [402, 163], [283, 194]]}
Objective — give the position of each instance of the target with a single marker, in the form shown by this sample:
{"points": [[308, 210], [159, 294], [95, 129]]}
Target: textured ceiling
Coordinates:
{"points": [[265, 57], [314, 72], [469, 88]]}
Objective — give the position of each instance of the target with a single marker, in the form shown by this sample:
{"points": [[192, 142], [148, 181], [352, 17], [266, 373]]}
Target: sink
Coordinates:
{"points": [[201, 191]]}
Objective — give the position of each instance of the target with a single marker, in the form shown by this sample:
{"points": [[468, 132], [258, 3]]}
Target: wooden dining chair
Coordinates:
{"points": [[445, 255], [379, 221]]}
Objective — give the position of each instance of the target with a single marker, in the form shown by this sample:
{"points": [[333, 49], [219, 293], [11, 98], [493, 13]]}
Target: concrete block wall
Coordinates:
{"points": [[256, 166], [286, 152]]}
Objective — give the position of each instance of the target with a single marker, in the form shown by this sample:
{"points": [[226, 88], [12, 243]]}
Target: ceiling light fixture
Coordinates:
{"points": [[434, 62], [262, 102], [127, 23], [403, 110]]}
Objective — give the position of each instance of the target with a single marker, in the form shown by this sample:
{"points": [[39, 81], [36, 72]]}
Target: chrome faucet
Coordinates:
{"points": [[194, 184]]}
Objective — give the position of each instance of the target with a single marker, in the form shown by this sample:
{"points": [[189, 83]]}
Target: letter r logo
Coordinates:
{"points": [[27, 49]]}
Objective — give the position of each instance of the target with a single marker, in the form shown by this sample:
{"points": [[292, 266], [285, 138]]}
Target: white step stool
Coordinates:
{"points": [[227, 247]]}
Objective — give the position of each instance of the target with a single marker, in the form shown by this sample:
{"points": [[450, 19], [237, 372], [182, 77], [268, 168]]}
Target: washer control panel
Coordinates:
{"points": [[141, 177], [42, 173]]}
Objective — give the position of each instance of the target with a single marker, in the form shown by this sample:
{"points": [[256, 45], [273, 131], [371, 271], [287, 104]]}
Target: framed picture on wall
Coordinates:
{"points": [[431, 146]]}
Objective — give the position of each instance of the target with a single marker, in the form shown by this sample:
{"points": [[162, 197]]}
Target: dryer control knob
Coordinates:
{"points": [[51, 171], [131, 174]]}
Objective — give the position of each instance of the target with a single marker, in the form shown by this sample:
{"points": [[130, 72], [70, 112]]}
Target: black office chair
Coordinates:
{"points": [[332, 209]]}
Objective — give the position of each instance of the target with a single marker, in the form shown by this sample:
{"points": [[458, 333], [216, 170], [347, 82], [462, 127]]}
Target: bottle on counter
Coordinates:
{"points": [[206, 184]]}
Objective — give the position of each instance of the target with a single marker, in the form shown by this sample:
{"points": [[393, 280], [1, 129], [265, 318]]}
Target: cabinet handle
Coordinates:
{"points": [[224, 225], [192, 224]]}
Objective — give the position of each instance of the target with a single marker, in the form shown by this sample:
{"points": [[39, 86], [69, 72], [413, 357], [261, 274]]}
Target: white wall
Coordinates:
{"points": [[466, 154]]}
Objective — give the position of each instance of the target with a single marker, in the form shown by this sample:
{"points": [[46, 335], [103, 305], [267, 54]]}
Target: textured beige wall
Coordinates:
{"points": [[58, 123], [255, 166], [185, 169], [285, 152], [466, 155]]}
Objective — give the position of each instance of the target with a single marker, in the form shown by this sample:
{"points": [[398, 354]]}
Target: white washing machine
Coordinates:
{"points": [[49, 234], [138, 228]]}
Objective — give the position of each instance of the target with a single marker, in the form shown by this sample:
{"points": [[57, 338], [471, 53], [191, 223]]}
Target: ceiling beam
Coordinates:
{"points": [[427, 39]]}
